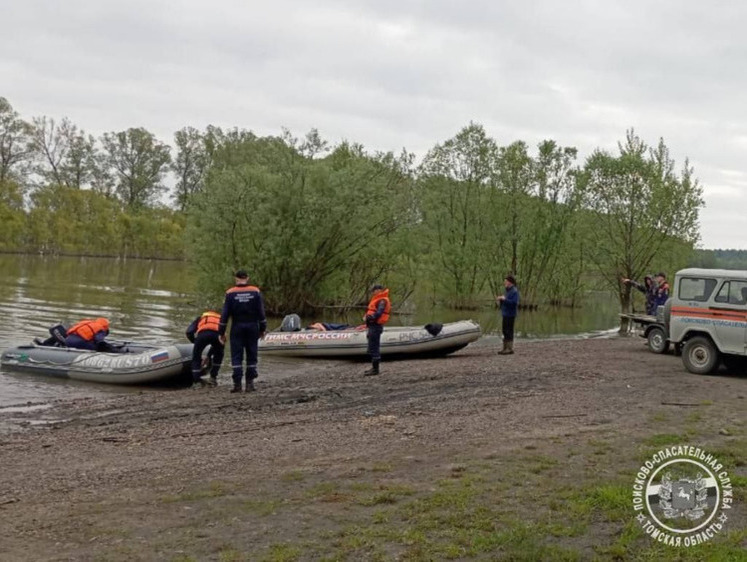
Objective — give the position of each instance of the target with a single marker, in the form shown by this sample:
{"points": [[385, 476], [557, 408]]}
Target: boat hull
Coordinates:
{"points": [[396, 342], [136, 364]]}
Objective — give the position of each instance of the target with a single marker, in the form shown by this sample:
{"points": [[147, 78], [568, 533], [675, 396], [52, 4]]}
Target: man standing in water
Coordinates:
{"points": [[246, 309], [509, 303], [376, 316]]}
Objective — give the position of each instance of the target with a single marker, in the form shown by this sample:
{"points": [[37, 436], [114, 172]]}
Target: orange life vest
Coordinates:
{"points": [[242, 289], [373, 306], [209, 321], [87, 329]]}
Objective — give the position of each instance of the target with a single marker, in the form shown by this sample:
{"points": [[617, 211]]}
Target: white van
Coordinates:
{"points": [[706, 316]]}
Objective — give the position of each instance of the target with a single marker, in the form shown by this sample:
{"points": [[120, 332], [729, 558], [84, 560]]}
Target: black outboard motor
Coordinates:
{"points": [[58, 333], [291, 323]]}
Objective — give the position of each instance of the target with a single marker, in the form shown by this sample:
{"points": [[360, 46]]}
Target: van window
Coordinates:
{"points": [[696, 289], [733, 292]]}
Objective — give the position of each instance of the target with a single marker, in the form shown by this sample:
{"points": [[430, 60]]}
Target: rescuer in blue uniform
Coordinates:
{"points": [[509, 303], [204, 332], [246, 310]]}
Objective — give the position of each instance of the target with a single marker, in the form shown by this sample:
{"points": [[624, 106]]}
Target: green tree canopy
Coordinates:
{"points": [[138, 162]]}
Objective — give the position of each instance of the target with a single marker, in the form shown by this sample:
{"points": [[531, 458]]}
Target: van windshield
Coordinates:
{"points": [[697, 289]]}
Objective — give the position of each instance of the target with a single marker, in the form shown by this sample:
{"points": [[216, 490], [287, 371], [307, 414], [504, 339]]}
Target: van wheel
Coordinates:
{"points": [[700, 356], [657, 341]]}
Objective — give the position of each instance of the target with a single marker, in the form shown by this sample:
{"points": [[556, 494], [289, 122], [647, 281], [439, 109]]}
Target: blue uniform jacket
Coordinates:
{"points": [[510, 306], [243, 304]]}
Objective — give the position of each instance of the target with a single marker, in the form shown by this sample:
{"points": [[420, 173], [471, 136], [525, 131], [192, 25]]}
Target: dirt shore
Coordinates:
{"points": [[531, 456]]}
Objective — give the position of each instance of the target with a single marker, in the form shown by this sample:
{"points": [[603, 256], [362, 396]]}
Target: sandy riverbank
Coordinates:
{"points": [[475, 455]]}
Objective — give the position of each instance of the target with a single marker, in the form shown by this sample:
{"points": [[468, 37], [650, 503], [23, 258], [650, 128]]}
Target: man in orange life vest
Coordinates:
{"points": [[376, 316], [89, 334], [246, 309], [203, 332]]}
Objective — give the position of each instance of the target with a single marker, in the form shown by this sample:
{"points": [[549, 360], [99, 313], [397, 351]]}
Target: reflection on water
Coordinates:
{"points": [[152, 301]]}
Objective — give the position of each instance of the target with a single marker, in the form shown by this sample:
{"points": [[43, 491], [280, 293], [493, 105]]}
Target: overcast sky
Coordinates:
{"points": [[402, 74]]}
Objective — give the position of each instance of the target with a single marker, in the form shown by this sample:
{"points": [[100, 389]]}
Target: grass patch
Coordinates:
{"points": [[387, 494], [381, 467], [739, 485], [282, 552], [537, 464], [293, 476], [661, 439], [735, 455]]}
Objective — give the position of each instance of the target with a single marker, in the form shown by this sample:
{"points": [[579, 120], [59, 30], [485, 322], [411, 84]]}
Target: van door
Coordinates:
{"points": [[729, 313]]}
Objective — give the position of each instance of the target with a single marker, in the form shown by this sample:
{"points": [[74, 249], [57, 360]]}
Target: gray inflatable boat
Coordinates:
{"points": [[132, 363]]}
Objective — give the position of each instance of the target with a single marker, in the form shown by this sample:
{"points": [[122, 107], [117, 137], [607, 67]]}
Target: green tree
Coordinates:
{"points": [[66, 154], [309, 229], [138, 162], [15, 146], [539, 199], [457, 195], [193, 156], [12, 215], [644, 210]]}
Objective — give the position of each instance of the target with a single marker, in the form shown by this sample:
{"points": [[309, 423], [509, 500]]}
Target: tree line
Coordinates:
{"points": [[316, 224], [720, 259]]}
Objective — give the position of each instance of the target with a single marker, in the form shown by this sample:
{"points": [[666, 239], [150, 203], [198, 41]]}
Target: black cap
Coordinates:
{"points": [[661, 274], [241, 274], [377, 287], [511, 279]]}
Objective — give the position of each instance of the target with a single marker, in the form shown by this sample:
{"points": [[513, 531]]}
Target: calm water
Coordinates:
{"points": [[151, 301]]}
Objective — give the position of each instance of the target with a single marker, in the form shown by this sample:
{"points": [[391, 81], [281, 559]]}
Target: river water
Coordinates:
{"points": [[152, 301]]}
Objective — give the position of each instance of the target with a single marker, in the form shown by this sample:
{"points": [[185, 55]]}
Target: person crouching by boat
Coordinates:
{"points": [[509, 303], [376, 316], [246, 310], [204, 331], [89, 334]]}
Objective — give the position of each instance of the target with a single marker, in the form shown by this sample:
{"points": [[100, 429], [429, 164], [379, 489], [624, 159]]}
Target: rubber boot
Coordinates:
{"points": [[508, 348], [236, 388], [374, 370], [212, 381], [250, 386]]}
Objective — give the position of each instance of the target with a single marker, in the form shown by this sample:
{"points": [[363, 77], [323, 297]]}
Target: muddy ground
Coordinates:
{"points": [[474, 456]]}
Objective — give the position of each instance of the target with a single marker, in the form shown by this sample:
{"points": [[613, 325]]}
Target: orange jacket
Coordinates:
{"points": [[209, 321], [373, 306], [87, 329]]}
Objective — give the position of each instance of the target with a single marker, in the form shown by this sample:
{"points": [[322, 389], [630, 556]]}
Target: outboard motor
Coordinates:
{"points": [[291, 323], [59, 333]]}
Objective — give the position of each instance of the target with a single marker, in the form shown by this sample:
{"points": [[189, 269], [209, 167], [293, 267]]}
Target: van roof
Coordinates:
{"points": [[698, 272]]}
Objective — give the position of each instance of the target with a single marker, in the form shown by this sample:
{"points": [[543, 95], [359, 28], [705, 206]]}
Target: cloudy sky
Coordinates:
{"points": [[402, 74]]}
